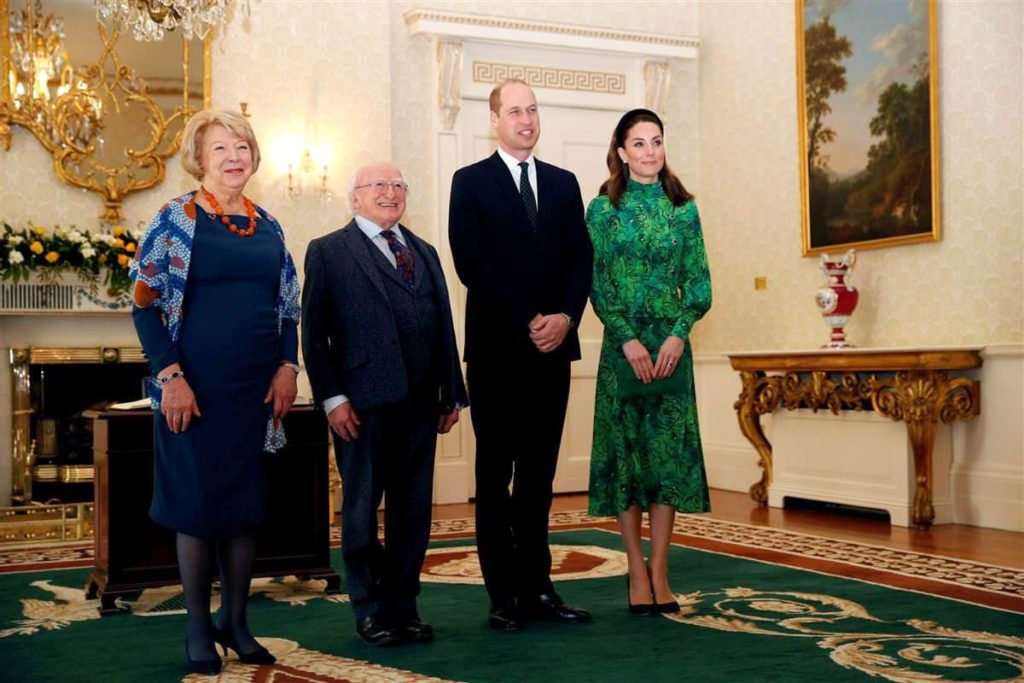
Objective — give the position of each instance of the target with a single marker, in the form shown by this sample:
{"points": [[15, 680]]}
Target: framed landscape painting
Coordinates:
{"points": [[869, 134]]}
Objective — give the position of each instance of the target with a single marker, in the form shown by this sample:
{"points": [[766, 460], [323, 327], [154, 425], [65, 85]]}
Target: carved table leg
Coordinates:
{"points": [[748, 411], [921, 399], [922, 440]]}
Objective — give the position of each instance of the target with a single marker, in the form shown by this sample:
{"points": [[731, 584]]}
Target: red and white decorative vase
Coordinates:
{"points": [[837, 298]]}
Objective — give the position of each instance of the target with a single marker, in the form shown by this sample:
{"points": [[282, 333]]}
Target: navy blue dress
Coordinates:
{"points": [[210, 481]]}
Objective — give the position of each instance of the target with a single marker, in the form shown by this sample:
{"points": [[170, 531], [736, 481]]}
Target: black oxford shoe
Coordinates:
{"points": [[415, 631], [505, 617], [376, 632], [549, 607]]}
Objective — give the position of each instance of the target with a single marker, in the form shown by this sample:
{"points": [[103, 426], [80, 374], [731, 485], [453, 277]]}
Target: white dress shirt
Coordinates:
{"points": [[513, 167]]}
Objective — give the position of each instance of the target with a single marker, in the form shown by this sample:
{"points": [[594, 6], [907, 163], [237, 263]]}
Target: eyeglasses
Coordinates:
{"points": [[381, 187]]}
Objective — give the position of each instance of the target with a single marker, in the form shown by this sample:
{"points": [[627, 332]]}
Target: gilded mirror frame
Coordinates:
{"points": [[60, 128]]}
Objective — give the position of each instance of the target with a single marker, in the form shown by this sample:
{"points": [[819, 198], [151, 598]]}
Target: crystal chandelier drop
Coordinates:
{"points": [[40, 80], [151, 19], [40, 66]]}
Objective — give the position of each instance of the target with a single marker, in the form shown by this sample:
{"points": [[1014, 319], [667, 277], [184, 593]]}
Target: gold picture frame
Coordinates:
{"points": [[869, 153]]}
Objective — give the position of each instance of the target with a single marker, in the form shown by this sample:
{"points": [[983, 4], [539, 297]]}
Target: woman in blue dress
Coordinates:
{"points": [[216, 308]]}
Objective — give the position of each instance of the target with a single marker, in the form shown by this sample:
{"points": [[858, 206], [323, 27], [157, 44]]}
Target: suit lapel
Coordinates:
{"points": [[543, 180], [507, 186], [419, 258], [360, 247]]}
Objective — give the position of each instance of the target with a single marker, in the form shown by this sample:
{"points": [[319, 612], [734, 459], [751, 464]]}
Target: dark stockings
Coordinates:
{"points": [[195, 562], [235, 556]]}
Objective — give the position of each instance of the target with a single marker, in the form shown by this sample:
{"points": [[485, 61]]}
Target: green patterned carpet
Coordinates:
{"points": [[742, 620]]}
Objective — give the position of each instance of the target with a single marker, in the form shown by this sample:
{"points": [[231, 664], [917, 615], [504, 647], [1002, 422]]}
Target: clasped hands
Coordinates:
{"points": [[345, 421], [640, 359], [547, 332], [178, 402]]}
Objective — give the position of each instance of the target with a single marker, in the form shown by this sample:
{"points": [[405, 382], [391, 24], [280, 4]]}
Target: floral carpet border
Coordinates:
{"points": [[990, 585], [965, 580]]}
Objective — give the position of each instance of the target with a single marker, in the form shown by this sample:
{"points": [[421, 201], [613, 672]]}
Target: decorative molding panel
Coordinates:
{"points": [[551, 77], [66, 295], [457, 25]]}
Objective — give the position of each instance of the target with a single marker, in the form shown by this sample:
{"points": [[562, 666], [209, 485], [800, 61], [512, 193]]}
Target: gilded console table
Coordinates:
{"points": [[907, 385]]}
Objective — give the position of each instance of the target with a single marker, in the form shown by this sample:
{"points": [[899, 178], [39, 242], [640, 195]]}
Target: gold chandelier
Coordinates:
{"points": [[151, 19], [38, 55], [40, 73]]}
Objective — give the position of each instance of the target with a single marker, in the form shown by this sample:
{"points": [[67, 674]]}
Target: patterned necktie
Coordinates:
{"points": [[403, 256], [526, 191]]}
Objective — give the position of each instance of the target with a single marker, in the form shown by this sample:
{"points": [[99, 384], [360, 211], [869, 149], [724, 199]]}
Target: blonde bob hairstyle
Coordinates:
{"points": [[192, 137]]}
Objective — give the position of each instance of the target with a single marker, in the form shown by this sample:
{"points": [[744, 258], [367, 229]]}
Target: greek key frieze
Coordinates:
{"points": [[607, 83]]}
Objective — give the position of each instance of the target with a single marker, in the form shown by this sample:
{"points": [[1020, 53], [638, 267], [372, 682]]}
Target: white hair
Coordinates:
{"points": [[352, 182], [354, 179]]}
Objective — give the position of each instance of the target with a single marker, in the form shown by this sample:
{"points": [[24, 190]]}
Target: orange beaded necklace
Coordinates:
{"points": [[250, 209]]}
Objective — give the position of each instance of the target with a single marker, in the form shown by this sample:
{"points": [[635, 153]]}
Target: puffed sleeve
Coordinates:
{"points": [[695, 281], [604, 290]]}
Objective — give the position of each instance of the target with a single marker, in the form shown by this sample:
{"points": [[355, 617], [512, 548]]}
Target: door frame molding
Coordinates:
{"points": [[568, 65]]}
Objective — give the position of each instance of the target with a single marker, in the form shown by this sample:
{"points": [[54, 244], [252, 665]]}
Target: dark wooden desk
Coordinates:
{"points": [[133, 552], [911, 385]]}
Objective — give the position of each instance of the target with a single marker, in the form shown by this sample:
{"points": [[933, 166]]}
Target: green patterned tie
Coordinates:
{"points": [[526, 191]]}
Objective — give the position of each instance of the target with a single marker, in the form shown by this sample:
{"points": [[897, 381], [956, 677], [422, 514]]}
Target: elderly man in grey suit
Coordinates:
{"points": [[380, 352]]}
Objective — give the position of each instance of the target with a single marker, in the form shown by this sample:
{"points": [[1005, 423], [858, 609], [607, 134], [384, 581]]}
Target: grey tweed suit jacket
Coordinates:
{"points": [[349, 337]]}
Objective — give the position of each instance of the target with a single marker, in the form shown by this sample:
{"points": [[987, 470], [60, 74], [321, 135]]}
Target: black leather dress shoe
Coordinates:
{"points": [[549, 607], [374, 631], [505, 617], [414, 630]]}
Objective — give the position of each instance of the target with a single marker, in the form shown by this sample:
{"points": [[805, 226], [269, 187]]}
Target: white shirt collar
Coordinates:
{"points": [[371, 229], [513, 163]]}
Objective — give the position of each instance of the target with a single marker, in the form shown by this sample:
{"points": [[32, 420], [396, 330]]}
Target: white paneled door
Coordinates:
{"points": [[575, 139]]}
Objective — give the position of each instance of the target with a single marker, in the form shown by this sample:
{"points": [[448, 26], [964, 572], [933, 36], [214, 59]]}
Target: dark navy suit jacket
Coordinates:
{"points": [[349, 338], [511, 271]]}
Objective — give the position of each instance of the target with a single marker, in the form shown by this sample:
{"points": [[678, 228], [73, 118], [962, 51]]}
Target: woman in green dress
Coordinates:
{"points": [[651, 284]]}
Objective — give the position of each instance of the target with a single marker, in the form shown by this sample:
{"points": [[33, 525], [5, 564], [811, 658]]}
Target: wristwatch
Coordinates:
{"points": [[568, 319], [291, 366]]}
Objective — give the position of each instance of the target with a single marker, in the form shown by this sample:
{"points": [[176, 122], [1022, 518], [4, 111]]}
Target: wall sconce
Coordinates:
{"points": [[306, 165]]}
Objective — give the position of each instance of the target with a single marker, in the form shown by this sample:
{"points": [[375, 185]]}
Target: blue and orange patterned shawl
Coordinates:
{"points": [[160, 270]]}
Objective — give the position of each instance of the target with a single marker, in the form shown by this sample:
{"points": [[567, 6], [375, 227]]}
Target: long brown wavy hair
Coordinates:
{"points": [[618, 172]]}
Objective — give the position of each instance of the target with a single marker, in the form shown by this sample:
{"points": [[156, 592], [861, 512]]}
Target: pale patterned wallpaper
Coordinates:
{"points": [[966, 289], [414, 94], [346, 74], [317, 72]]}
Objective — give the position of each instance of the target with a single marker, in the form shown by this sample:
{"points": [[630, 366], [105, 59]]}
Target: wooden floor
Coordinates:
{"points": [[991, 546]]}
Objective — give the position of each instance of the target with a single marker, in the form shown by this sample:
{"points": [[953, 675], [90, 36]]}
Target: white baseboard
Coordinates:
{"points": [[452, 481], [731, 467], [988, 497]]}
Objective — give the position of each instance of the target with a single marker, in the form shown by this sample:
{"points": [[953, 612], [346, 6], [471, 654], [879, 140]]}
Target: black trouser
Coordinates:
{"points": [[518, 411], [394, 455]]}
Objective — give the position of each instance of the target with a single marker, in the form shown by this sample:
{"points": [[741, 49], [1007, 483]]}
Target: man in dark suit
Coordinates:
{"points": [[380, 351], [521, 248]]}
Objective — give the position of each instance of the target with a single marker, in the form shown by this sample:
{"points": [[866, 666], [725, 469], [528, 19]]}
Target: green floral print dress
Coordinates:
{"points": [[651, 280]]}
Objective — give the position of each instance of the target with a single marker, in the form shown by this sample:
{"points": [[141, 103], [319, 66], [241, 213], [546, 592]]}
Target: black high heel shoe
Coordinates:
{"points": [[643, 608], [258, 656], [666, 607], [206, 667], [662, 607]]}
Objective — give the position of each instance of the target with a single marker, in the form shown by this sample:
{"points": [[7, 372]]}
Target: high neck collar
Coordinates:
{"points": [[647, 188]]}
